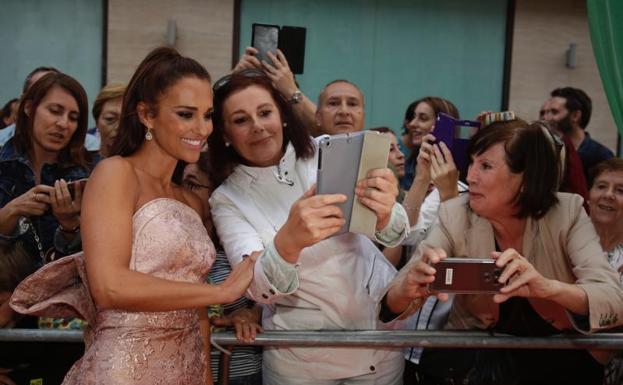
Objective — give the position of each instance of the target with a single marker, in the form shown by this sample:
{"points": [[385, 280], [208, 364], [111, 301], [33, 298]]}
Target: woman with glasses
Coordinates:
{"points": [[309, 278]]}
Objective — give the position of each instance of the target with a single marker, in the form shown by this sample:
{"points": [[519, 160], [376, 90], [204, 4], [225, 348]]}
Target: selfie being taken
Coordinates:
{"points": [[239, 192]]}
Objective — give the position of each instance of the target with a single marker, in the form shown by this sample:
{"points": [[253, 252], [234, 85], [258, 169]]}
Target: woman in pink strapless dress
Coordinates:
{"points": [[141, 283], [169, 242]]}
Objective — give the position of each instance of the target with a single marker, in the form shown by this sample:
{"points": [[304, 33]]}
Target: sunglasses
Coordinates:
{"points": [[248, 73]]}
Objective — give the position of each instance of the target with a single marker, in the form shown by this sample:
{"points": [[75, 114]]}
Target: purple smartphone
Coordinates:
{"points": [[448, 128], [450, 131]]}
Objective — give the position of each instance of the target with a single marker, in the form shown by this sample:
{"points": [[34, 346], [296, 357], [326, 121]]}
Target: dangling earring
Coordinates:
{"points": [[285, 124], [148, 135]]}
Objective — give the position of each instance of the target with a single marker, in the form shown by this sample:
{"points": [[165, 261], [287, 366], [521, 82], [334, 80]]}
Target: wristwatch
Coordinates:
{"points": [[296, 97]]}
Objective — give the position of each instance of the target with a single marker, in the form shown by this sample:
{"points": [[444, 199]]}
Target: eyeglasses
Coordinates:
{"points": [[248, 73]]}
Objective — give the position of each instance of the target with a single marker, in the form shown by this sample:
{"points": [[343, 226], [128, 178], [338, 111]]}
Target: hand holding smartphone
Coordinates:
{"points": [[71, 186], [290, 40], [466, 276], [447, 129], [345, 159], [265, 38]]}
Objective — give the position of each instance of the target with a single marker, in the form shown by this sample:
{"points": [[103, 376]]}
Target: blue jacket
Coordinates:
{"points": [[17, 177]]}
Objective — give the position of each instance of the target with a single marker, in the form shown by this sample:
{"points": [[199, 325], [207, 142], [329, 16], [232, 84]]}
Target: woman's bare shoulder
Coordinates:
{"points": [[114, 176]]}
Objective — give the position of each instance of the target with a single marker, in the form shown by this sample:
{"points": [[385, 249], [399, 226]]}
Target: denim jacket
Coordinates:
{"points": [[17, 177]]}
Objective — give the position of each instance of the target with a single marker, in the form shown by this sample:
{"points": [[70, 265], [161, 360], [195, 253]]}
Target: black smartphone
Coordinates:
{"points": [[466, 276], [71, 186], [292, 44], [290, 40]]}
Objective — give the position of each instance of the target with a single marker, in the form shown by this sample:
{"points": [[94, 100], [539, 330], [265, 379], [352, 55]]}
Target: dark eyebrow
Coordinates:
{"points": [[188, 107]]}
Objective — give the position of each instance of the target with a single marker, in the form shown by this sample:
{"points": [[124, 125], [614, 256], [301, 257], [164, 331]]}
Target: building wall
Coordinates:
{"points": [[396, 51], [543, 31], [65, 34], [204, 32]]}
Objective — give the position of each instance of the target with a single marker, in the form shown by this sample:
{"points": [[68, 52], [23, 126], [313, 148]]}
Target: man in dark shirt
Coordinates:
{"points": [[569, 112]]}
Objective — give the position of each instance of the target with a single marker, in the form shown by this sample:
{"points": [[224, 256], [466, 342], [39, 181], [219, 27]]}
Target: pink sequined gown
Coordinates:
{"points": [[170, 242]]}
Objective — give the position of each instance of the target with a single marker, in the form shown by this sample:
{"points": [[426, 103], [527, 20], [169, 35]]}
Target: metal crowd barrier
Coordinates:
{"points": [[363, 338], [375, 338]]}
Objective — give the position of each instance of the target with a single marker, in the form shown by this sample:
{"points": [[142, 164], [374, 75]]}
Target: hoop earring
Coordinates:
{"points": [[148, 135]]}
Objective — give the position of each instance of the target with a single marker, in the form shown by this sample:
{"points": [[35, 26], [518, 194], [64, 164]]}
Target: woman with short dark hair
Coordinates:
{"points": [[553, 272], [309, 279]]}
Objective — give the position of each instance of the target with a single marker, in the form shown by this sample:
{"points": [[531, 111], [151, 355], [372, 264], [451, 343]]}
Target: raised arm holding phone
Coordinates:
{"points": [[279, 72]]}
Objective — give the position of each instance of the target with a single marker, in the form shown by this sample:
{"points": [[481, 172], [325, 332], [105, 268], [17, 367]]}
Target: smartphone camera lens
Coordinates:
{"points": [[487, 277]]}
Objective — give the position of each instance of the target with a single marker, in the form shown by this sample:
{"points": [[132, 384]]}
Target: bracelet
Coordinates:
{"points": [[296, 97], [70, 231]]}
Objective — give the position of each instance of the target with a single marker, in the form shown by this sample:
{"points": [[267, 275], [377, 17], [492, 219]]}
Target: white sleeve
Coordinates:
{"points": [[396, 230], [273, 277], [427, 217]]}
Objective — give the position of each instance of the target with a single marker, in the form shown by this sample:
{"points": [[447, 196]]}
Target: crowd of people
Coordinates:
{"points": [[191, 206]]}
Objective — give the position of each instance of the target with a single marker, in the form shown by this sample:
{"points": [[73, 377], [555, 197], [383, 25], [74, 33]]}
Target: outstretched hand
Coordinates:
{"points": [[443, 171], [412, 283], [65, 208], [248, 61], [312, 218], [278, 70], [280, 73], [244, 321], [423, 165], [520, 277], [33, 202], [239, 279]]}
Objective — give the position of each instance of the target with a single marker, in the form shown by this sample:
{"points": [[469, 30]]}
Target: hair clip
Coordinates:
{"points": [[492, 117]]}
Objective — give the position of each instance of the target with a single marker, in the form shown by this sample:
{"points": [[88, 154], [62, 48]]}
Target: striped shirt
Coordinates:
{"points": [[245, 360]]}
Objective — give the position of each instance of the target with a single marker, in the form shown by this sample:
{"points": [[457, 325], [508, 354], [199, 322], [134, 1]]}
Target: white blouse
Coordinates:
{"points": [[335, 285]]}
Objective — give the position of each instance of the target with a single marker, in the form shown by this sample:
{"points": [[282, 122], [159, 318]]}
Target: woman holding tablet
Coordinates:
{"points": [[308, 280]]}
